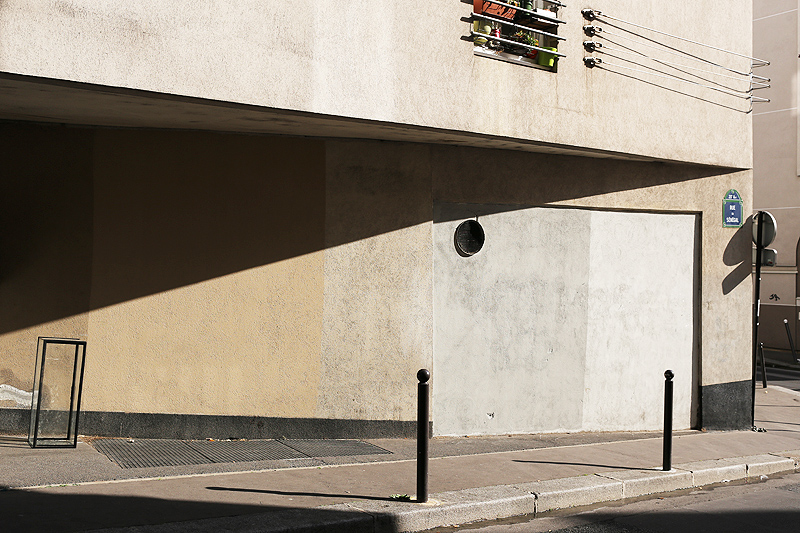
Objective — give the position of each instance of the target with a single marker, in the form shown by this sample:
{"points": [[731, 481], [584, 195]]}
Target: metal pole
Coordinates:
{"points": [[668, 420], [789, 334], [423, 433], [763, 365], [757, 307]]}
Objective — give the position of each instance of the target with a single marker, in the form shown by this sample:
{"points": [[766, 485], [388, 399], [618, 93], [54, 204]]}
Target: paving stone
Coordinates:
{"points": [[767, 464], [573, 492], [715, 471], [640, 482], [791, 454]]}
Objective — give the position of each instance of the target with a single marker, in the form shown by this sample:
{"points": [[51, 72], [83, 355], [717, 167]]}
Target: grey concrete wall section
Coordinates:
{"points": [[565, 320], [510, 322], [377, 323], [640, 319]]}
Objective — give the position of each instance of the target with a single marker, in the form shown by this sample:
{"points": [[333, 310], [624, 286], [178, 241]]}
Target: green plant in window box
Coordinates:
{"points": [[519, 37], [528, 38]]}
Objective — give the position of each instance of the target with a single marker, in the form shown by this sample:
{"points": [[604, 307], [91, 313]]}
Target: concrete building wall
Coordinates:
{"points": [[776, 168], [293, 279], [463, 175], [564, 321], [377, 323], [244, 229], [403, 64]]}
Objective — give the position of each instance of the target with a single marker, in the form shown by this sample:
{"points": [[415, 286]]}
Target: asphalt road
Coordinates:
{"points": [[770, 506], [785, 378]]}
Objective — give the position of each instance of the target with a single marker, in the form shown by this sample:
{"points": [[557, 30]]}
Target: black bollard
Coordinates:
{"points": [[668, 420], [763, 365], [423, 435]]}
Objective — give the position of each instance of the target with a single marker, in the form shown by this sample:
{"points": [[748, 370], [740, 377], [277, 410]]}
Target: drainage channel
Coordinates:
{"points": [[147, 453]]}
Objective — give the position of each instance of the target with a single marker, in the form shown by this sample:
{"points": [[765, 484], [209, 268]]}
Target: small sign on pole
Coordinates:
{"points": [[732, 216], [769, 231]]}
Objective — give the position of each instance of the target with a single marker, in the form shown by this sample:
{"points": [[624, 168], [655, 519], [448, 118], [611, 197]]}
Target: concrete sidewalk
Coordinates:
{"points": [[76, 489]]}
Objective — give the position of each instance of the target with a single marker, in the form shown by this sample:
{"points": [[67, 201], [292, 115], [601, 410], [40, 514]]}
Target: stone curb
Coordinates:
{"points": [[489, 503]]}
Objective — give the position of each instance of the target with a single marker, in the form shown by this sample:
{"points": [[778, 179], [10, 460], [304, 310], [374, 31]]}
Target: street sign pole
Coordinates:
{"points": [[757, 306]]}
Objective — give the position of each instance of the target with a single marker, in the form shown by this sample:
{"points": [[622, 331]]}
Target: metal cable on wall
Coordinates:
{"points": [[636, 51]]}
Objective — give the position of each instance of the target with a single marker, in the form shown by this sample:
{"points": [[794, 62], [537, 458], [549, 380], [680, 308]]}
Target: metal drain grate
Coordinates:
{"points": [[147, 453], [244, 451], [333, 448]]}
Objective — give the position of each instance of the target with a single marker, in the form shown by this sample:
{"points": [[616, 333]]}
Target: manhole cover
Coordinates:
{"points": [[333, 448]]}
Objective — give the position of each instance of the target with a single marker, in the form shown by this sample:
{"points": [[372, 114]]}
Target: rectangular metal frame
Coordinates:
{"points": [[70, 440]]}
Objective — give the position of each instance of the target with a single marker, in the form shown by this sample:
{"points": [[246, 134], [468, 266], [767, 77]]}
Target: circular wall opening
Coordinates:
{"points": [[469, 238]]}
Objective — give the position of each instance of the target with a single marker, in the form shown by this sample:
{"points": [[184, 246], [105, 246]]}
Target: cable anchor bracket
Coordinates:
{"points": [[591, 31], [591, 46], [592, 62], [590, 14]]}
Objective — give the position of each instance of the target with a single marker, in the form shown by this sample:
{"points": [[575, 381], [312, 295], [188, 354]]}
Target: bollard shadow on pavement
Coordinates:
{"points": [[298, 493], [569, 463]]}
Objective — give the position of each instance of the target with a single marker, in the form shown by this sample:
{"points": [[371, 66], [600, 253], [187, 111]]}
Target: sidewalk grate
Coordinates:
{"points": [[148, 453], [333, 448], [143, 453], [244, 451]]}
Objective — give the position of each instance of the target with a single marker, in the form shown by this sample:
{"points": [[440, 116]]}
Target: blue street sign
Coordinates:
{"points": [[732, 216]]}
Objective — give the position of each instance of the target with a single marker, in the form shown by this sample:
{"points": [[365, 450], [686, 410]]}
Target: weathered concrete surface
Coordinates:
{"points": [[536, 331], [766, 465], [296, 59], [377, 328]]}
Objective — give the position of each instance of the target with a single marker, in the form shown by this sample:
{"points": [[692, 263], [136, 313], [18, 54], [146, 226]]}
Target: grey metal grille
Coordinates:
{"points": [[143, 453], [333, 448], [244, 451], [146, 453]]}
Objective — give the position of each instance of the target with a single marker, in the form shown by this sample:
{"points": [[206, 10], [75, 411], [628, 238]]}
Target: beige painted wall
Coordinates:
{"points": [[394, 62], [207, 274]]}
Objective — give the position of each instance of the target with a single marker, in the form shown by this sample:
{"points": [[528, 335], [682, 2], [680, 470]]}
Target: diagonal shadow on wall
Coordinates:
{"points": [[93, 217]]}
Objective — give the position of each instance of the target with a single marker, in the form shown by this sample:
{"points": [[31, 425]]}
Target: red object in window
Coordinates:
{"points": [[480, 6]]}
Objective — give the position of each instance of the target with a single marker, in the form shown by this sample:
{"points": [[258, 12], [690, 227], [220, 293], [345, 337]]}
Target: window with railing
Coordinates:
{"points": [[518, 31]]}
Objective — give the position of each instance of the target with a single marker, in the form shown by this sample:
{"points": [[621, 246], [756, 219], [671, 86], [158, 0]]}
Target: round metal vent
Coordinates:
{"points": [[469, 238]]}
